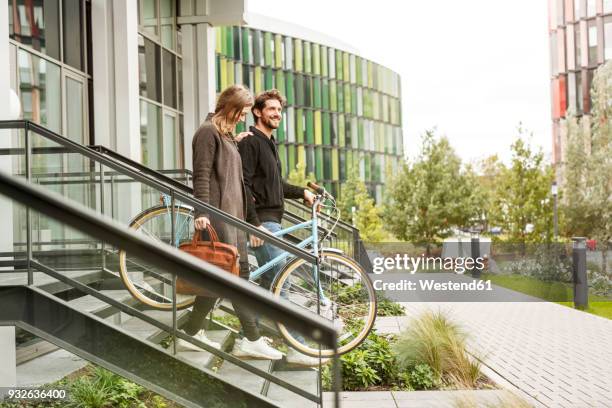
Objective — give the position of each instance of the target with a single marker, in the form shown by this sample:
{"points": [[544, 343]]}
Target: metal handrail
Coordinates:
{"points": [[152, 178], [168, 258]]}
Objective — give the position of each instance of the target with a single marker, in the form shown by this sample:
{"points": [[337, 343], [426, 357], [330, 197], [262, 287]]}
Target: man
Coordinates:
{"points": [[266, 189]]}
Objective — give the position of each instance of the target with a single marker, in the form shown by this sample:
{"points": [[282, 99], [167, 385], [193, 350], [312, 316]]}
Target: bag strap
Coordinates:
{"points": [[197, 236]]}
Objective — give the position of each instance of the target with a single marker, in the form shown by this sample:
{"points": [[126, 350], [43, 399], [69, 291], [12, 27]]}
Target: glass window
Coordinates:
{"points": [[340, 94], [179, 72], [325, 94], [608, 40], [316, 92], [318, 128], [299, 125], [591, 8], [40, 90], [268, 79], [324, 66], [308, 99], [339, 68], [316, 59], [310, 136], [150, 135], [577, 9], [247, 45], [288, 53], [307, 57], [291, 124], [571, 91], [331, 58], [148, 66], [36, 25], [326, 129], [299, 89], [578, 43], [607, 6], [169, 81], [75, 115], [167, 29], [170, 142], [290, 89], [592, 44], [149, 16], [579, 96], [297, 54], [279, 51], [319, 163], [327, 164], [268, 48], [73, 33]]}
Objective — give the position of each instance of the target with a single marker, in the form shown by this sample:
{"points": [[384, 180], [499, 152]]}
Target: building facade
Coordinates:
{"points": [[343, 111], [580, 33], [139, 77]]}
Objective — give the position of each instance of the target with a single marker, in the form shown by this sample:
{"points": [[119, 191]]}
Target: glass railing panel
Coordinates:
{"points": [[140, 297], [12, 254]]}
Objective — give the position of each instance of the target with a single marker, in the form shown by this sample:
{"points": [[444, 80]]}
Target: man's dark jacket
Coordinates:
{"points": [[264, 185]]}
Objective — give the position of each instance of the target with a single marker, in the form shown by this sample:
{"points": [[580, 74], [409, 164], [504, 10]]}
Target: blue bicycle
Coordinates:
{"points": [[336, 287]]}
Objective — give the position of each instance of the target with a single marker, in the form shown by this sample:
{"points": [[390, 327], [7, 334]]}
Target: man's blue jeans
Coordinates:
{"points": [[266, 253]]}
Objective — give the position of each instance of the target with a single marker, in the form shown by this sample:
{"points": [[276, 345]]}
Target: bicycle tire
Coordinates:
{"points": [[136, 222], [291, 268]]}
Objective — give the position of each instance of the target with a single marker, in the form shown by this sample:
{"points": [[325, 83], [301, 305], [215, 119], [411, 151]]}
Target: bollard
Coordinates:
{"points": [[581, 286], [475, 254]]}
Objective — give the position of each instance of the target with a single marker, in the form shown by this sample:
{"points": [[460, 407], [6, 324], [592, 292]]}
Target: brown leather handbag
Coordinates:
{"points": [[225, 256]]}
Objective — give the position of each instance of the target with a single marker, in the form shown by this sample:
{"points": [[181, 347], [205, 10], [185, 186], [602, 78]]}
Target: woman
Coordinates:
{"points": [[217, 180]]}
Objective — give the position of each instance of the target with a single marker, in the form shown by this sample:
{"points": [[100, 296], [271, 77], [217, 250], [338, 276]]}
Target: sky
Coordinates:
{"points": [[472, 69]]}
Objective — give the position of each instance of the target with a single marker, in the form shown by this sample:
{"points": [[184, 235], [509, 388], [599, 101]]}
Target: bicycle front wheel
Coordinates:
{"points": [[147, 283], [345, 296]]}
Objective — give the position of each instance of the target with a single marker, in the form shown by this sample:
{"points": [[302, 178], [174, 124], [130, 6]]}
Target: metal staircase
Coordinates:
{"points": [[75, 279]]}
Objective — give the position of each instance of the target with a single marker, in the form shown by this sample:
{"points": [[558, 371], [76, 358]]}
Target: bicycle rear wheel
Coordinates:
{"points": [[346, 297], [147, 283]]}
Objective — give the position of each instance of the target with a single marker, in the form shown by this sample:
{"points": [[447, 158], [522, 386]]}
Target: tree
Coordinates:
{"points": [[588, 185], [431, 194], [367, 216], [522, 195], [489, 174], [298, 176]]}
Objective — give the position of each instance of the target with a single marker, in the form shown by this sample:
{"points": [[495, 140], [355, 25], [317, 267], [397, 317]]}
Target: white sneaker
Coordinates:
{"points": [[183, 345], [295, 357], [256, 349]]}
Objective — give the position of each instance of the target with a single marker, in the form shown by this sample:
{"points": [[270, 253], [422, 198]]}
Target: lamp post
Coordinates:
{"points": [[554, 192]]}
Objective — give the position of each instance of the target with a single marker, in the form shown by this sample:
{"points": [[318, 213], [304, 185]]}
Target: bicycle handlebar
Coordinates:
{"points": [[318, 189]]}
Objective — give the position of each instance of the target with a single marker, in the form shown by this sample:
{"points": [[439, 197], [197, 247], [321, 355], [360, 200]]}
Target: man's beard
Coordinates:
{"points": [[268, 123]]}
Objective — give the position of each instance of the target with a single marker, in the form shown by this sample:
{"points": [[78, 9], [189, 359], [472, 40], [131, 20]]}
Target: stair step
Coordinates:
{"points": [[94, 305], [306, 380], [204, 359], [246, 379], [50, 284]]}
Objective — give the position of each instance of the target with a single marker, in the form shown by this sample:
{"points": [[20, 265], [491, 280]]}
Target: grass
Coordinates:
{"points": [[558, 292], [603, 309], [95, 387], [433, 339]]}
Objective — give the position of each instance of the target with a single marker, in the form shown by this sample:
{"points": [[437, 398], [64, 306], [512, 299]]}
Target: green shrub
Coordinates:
{"points": [[422, 377], [432, 339], [389, 308]]}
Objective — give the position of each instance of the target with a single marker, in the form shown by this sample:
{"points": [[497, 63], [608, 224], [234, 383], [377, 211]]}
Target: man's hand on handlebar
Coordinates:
{"points": [[309, 198]]}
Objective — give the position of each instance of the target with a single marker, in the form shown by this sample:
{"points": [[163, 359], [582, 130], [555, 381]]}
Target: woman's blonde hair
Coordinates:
{"points": [[229, 107]]}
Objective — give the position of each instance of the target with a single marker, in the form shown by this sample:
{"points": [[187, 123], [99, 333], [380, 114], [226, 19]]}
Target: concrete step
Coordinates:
{"points": [[96, 306], [204, 359], [48, 283], [306, 380], [246, 379]]}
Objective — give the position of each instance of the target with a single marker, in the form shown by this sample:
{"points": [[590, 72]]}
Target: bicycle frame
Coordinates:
{"points": [[313, 238]]}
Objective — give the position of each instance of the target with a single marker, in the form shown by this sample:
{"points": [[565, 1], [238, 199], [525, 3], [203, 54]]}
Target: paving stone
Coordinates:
{"points": [[544, 348]]}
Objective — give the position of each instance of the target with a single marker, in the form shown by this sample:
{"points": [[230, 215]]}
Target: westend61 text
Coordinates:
{"points": [[432, 285], [413, 264]]}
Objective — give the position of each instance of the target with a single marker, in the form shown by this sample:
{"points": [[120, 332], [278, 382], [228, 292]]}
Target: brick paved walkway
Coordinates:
{"points": [[559, 356]]}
